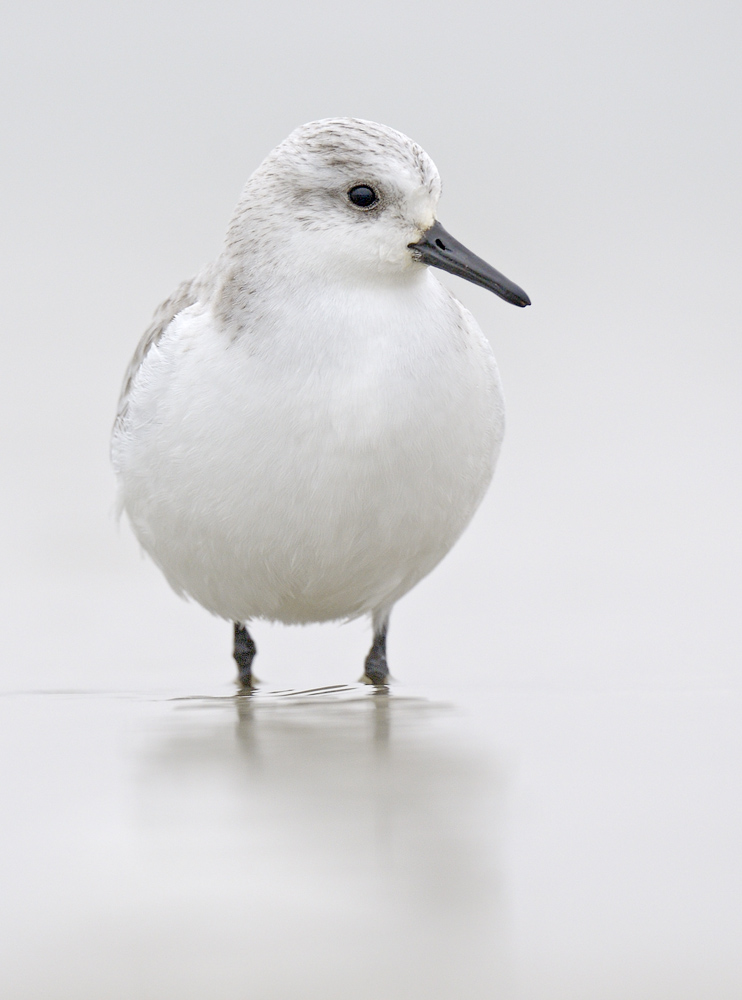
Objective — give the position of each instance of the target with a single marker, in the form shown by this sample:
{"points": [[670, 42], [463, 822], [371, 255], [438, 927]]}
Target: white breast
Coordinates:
{"points": [[316, 466]]}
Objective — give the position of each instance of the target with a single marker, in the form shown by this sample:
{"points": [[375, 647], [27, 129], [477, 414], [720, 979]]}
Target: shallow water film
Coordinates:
{"points": [[336, 841]]}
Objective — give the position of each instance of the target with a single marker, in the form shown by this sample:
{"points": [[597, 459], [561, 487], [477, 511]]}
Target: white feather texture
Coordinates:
{"points": [[309, 425]]}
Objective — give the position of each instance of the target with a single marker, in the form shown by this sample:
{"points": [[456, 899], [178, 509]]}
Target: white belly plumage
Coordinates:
{"points": [[319, 478]]}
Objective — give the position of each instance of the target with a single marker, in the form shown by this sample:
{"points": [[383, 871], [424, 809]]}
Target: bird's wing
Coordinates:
{"points": [[185, 295]]}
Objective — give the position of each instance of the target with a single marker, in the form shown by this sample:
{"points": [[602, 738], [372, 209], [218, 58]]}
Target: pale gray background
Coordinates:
{"points": [[592, 153]]}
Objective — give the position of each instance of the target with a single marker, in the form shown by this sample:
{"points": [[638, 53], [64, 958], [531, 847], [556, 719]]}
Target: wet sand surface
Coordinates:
{"points": [[335, 842]]}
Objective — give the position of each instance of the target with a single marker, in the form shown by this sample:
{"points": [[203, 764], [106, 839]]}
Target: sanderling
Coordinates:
{"points": [[309, 424]]}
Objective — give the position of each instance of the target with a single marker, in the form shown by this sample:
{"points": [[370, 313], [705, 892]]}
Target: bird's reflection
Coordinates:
{"points": [[363, 716], [370, 809]]}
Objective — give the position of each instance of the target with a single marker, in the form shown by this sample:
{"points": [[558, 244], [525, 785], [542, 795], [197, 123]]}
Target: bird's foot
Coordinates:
{"points": [[244, 653], [376, 669]]}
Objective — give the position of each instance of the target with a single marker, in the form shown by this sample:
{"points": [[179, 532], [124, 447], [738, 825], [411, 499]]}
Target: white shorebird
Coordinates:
{"points": [[309, 424]]}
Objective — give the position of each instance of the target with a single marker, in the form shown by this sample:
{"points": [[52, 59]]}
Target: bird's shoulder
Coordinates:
{"points": [[185, 295]]}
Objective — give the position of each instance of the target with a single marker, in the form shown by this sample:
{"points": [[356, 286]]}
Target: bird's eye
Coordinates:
{"points": [[363, 196]]}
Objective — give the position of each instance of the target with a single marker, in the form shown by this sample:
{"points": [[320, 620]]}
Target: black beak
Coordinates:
{"points": [[439, 249]]}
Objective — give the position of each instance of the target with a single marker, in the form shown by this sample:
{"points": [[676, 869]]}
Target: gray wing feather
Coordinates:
{"points": [[185, 295]]}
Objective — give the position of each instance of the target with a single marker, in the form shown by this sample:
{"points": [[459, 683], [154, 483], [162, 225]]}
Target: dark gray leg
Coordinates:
{"points": [[244, 653], [376, 670]]}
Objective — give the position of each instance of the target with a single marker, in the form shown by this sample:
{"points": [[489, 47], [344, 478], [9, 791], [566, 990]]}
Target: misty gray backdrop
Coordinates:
{"points": [[591, 152]]}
